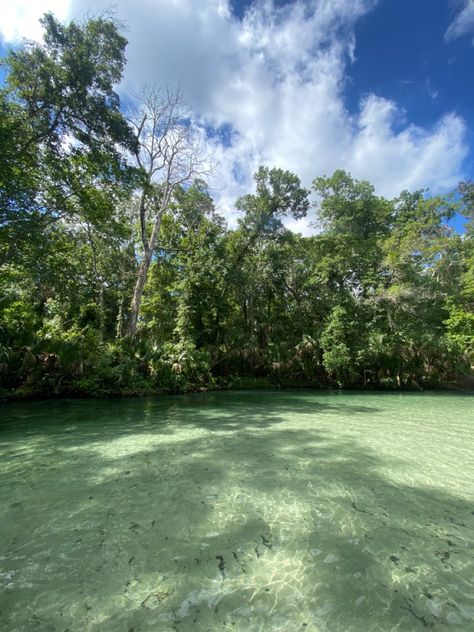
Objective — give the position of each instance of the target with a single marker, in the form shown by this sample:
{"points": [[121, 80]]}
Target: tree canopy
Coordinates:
{"points": [[118, 275]]}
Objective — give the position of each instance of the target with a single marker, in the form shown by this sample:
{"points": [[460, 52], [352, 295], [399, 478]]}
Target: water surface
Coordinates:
{"points": [[238, 511]]}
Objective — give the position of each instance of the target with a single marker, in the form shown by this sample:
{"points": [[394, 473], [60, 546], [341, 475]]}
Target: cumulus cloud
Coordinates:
{"points": [[409, 158], [20, 18], [269, 89], [463, 23]]}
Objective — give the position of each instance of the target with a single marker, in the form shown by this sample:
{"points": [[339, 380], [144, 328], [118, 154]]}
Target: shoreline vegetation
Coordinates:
{"points": [[461, 383], [118, 275]]}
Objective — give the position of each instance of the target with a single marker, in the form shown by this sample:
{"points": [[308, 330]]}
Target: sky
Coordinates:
{"points": [[381, 88]]}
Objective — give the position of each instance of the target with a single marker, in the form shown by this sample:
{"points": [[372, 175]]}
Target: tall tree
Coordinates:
{"points": [[253, 261], [461, 295], [169, 155], [61, 127]]}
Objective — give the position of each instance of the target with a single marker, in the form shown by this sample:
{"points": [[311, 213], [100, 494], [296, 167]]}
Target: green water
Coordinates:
{"points": [[238, 511]]}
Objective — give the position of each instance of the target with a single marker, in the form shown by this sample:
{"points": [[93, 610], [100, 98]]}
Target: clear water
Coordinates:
{"points": [[238, 511]]}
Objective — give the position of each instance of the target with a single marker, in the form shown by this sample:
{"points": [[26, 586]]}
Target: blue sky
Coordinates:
{"points": [[402, 53], [384, 89]]}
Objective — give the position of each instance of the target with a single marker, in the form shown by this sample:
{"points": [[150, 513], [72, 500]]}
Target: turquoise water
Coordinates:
{"points": [[240, 511]]}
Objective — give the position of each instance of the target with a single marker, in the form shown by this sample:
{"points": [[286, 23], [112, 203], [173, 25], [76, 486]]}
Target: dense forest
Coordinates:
{"points": [[118, 275]]}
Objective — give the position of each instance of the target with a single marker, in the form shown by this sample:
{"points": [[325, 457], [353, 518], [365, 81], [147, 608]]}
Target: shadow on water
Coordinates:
{"points": [[218, 513]]}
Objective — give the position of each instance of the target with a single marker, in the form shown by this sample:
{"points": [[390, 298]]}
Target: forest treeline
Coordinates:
{"points": [[118, 276]]}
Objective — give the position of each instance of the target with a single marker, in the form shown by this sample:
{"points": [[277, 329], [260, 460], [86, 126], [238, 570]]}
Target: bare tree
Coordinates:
{"points": [[169, 154]]}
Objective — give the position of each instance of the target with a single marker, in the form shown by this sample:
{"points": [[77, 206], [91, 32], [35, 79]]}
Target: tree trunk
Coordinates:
{"points": [[119, 327], [101, 311], [138, 293], [144, 267], [98, 284]]}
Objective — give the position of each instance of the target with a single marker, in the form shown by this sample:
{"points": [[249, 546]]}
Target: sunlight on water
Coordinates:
{"points": [[249, 511]]}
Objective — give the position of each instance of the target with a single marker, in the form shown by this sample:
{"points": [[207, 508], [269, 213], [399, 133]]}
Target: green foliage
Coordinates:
{"points": [[460, 329], [336, 352], [278, 193], [382, 296], [349, 206], [61, 124]]}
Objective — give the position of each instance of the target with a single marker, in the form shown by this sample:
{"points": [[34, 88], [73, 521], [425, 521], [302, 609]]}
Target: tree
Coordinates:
{"points": [[355, 222], [466, 189], [278, 194], [62, 177], [348, 206], [169, 155], [461, 297], [254, 261], [63, 121]]}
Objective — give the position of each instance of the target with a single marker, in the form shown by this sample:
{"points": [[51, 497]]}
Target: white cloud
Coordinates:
{"points": [[463, 23], [276, 78], [410, 158], [20, 18]]}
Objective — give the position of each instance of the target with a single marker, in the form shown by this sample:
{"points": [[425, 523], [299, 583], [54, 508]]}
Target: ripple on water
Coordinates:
{"points": [[243, 511]]}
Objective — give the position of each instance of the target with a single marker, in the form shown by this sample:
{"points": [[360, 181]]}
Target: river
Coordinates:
{"points": [[247, 511]]}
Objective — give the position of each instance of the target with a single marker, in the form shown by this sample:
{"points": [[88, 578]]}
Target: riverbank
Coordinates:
{"points": [[459, 383]]}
